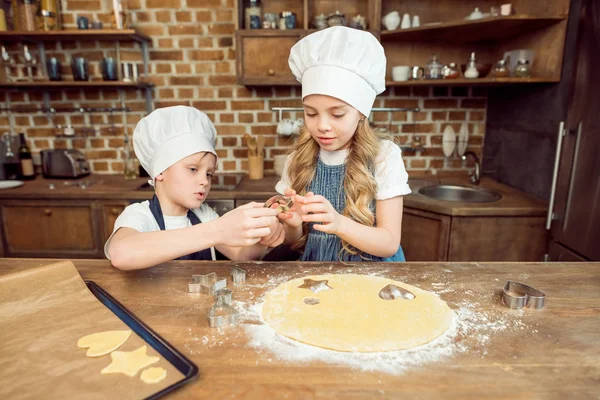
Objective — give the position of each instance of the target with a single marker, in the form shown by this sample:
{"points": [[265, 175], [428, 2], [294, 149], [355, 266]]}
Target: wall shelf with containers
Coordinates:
{"points": [[450, 29], [133, 81]]}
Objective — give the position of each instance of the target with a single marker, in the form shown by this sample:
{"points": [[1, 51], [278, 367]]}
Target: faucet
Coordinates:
{"points": [[476, 175]]}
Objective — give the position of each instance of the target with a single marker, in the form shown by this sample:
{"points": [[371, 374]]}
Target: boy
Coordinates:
{"points": [[176, 146]]}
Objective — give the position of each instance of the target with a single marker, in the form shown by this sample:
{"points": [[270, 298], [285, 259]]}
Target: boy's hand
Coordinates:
{"points": [[316, 208], [247, 224], [277, 234]]}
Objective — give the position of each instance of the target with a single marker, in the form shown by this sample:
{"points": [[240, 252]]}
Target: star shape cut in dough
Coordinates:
{"points": [[129, 362], [315, 286]]}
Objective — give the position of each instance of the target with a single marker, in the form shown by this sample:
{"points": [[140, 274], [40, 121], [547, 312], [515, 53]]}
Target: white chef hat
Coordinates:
{"points": [[168, 135], [345, 63]]}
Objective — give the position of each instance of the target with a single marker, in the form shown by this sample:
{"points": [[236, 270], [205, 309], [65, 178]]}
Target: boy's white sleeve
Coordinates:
{"points": [[284, 182], [134, 216], [390, 174]]}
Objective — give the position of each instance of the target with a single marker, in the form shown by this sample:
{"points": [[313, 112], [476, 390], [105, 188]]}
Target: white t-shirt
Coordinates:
{"points": [[390, 174], [139, 217]]}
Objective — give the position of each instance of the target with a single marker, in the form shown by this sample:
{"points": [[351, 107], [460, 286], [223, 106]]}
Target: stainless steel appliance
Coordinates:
{"points": [[64, 163]]}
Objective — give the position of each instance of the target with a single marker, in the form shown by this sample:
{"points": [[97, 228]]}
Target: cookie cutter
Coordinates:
{"points": [[225, 294], [393, 292], [207, 284], [315, 286], [285, 203], [221, 313], [517, 295], [238, 275]]}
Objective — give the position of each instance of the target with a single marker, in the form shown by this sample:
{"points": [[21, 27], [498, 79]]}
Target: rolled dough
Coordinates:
{"points": [[352, 317], [102, 343]]}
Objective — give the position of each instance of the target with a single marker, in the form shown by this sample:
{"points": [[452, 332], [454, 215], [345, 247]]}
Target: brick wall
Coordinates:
{"points": [[193, 63]]}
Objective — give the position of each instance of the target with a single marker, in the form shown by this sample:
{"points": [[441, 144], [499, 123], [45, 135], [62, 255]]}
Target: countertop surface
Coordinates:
{"points": [[115, 187], [489, 352]]}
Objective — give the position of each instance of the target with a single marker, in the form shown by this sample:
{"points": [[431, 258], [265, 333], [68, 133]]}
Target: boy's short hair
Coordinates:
{"points": [[170, 134]]}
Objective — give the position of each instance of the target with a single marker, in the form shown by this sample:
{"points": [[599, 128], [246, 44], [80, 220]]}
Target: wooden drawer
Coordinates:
{"points": [[110, 213], [262, 57], [425, 235], [49, 229]]}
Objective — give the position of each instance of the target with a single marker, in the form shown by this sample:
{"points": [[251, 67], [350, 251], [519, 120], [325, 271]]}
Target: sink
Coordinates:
{"points": [[460, 193]]}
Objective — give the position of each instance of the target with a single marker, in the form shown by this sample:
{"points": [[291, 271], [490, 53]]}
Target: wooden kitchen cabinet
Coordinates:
{"points": [[443, 31], [425, 235], [49, 229], [260, 57], [110, 213]]}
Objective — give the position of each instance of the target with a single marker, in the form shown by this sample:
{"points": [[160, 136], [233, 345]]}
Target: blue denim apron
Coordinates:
{"points": [[320, 246]]}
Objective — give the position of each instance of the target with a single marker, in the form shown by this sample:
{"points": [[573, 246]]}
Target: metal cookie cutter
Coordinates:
{"points": [[285, 203], [393, 292], [518, 295], [207, 284], [222, 314], [238, 275]]}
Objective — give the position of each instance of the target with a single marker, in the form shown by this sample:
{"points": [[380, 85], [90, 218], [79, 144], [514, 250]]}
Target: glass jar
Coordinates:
{"points": [[450, 71], [47, 16], [27, 10], [433, 69], [523, 69], [252, 8], [500, 70]]}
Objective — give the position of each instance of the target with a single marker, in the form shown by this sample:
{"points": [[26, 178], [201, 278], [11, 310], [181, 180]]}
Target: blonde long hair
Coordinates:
{"points": [[359, 182]]}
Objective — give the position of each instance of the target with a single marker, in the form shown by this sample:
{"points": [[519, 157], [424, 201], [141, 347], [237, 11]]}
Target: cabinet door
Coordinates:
{"points": [[260, 59], [425, 235], [111, 212], [49, 229]]}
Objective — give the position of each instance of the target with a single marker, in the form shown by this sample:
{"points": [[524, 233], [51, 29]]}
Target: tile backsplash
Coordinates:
{"points": [[192, 62]]}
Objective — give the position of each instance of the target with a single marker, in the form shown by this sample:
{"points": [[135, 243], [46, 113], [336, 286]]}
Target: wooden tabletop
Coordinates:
{"points": [[115, 187], [492, 352]]}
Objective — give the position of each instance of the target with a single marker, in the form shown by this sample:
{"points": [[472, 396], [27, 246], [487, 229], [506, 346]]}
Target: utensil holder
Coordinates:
{"points": [[256, 167]]}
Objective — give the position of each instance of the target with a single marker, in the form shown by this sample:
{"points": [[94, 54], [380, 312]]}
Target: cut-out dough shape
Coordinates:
{"points": [[153, 375], [102, 343], [352, 316], [129, 362]]}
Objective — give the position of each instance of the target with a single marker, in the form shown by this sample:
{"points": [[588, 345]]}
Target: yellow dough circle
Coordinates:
{"points": [[153, 375], [352, 317]]}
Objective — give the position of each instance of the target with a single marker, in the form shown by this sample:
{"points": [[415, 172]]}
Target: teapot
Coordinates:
{"points": [[336, 19], [358, 22], [391, 21], [320, 21]]}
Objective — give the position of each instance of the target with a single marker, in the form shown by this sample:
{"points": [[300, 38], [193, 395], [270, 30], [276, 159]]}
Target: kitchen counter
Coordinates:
{"points": [[493, 352], [115, 187]]}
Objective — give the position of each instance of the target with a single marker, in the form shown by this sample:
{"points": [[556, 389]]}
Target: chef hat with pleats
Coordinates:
{"points": [[345, 63], [168, 135]]}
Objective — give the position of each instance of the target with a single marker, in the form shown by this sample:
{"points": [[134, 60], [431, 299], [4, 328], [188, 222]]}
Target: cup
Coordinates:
{"points": [[80, 69], [405, 24], [96, 24], [54, 69], [417, 72], [296, 125], [256, 167], [83, 22], [285, 127], [108, 65], [400, 73]]}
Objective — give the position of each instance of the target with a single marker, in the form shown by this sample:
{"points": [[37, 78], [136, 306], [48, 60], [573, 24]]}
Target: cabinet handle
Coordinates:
{"points": [[271, 72], [561, 133], [114, 211], [48, 212]]}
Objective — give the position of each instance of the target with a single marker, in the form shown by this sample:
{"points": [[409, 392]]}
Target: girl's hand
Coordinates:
{"points": [[291, 217], [316, 208]]}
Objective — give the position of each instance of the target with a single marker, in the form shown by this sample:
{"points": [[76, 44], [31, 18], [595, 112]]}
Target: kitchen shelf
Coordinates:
{"points": [[480, 30], [129, 35], [49, 85], [470, 82]]}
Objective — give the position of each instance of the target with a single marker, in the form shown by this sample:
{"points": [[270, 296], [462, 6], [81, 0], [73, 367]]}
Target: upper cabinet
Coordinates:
{"points": [[445, 30]]}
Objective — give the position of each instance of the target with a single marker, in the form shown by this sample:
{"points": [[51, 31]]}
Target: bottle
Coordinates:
{"points": [[11, 162], [471, 71], [433, 69], [252, 8], [27, 170], [523, 69]]}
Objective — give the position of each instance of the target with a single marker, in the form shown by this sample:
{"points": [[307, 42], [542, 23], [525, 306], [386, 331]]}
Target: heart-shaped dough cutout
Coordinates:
{"points": [[102, 343]]}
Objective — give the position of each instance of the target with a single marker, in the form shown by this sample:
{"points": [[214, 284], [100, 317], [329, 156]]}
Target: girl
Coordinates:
{"points": [[347, 184]]}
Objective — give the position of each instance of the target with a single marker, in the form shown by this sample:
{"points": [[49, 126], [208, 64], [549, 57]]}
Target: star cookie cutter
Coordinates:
{"points": [[222, 314], [517, 295], [207, 284], [284, 203], [315, 286], [238, 275], [393, 292]]}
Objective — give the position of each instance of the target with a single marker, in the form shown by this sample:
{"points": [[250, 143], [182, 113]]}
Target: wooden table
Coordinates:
{"points": [[497, 353]]}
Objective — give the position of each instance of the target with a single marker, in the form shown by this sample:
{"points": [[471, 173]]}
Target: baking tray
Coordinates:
{"points": [[164, 348]]}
